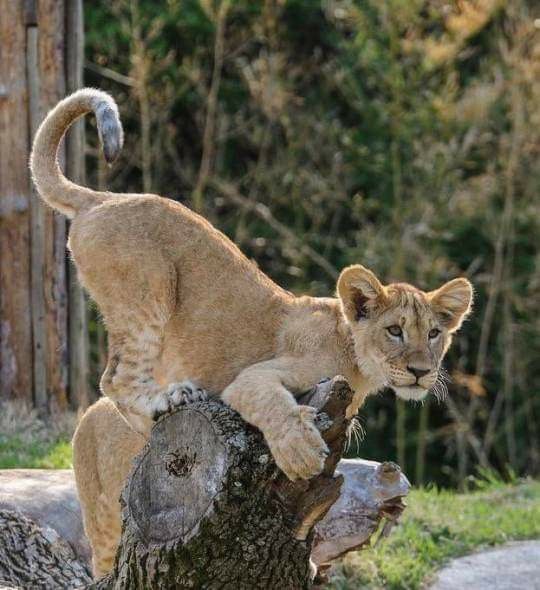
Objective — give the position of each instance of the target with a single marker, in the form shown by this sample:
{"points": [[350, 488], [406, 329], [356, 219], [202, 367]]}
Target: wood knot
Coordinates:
{"points": [[389, 471], [180, 463]]}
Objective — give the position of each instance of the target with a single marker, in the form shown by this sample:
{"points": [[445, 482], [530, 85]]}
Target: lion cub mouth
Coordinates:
{"points": [[410, 392]]}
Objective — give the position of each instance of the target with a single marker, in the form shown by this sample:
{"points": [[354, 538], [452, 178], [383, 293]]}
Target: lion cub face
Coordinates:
{"points": [[401, 334]]}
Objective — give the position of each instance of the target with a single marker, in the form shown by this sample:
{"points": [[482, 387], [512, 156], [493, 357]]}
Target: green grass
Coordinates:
{"points": [[438, 525], [30, 441], [17, 453]]}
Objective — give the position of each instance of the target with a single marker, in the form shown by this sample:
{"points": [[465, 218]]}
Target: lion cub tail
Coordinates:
{"points": [[55, 189]]}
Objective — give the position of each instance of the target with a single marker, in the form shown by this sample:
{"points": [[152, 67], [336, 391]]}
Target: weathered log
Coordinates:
{"points": [[36, 557], [372, 494], [49, 498]]}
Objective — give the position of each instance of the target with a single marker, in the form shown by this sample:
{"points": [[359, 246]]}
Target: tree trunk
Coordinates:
{"points": [[15, 195], [81, 395]]}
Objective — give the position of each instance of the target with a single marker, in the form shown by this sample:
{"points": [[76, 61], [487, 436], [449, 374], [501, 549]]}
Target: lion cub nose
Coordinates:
{"points": [[418, 373]]}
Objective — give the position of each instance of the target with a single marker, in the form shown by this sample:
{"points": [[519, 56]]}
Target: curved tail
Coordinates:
{"points": [[55, 189]]}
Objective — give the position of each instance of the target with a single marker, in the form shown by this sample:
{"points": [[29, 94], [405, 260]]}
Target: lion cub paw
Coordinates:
{"points": [[297, 446], [178, 394]]}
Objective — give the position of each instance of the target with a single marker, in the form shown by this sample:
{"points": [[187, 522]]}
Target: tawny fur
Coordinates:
{"points": [[180, 301], [104, 446]]}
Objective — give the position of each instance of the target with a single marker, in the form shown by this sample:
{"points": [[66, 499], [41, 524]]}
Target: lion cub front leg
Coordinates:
{"points": [[260, 396]]}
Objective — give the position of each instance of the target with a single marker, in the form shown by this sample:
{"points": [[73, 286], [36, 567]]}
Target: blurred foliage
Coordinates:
{"points": [[401, 134]]}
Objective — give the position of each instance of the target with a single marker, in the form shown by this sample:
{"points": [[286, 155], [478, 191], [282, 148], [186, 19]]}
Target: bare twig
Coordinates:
{"points": [[210, 123], [471, 437], [109, 74]]}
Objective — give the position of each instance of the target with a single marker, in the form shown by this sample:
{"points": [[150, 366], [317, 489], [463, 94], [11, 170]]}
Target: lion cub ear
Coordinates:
{"points": [[359, 289], [452, 302]]}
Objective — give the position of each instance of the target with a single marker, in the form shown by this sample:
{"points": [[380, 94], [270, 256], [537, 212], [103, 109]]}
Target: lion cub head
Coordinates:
{"points": [[401, 334]]}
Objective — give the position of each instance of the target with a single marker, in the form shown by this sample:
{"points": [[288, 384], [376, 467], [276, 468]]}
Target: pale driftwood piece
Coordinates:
{"points": [[36, 557], [372, 494], [206, 507]]}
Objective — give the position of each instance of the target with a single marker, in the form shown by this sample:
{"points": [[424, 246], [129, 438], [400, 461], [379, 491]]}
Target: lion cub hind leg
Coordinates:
{"points": [[106, 538], [104, 447], [137, 294]]}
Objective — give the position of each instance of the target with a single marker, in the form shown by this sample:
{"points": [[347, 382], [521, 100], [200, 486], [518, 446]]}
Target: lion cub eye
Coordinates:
{"points": [[433, 333], [395, 330]]}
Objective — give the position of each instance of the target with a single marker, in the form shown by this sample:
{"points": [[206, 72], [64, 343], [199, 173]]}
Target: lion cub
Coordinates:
{"points": [[181, 302]]}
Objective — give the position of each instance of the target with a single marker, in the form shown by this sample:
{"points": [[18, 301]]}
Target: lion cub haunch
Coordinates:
{"points": [[104, 446], [180, 301]]}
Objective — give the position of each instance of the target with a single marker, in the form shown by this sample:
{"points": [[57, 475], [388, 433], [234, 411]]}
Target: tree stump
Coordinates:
{"points": [[206, 507]]}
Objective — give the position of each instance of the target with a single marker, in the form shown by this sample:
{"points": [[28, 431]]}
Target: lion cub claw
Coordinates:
{"points": [[179, 394], [297, 446]]}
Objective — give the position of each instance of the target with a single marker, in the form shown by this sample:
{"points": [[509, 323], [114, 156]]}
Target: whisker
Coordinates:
{"points": [[440, 389], [355, 433]]}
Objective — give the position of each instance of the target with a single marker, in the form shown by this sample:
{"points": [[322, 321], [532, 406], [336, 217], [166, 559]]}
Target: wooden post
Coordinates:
{"points": [[15, 196], [35, 58]]}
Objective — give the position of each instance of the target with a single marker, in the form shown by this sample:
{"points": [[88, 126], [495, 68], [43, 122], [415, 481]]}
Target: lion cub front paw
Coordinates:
{"points": [[297, 446], [179, 394]]}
